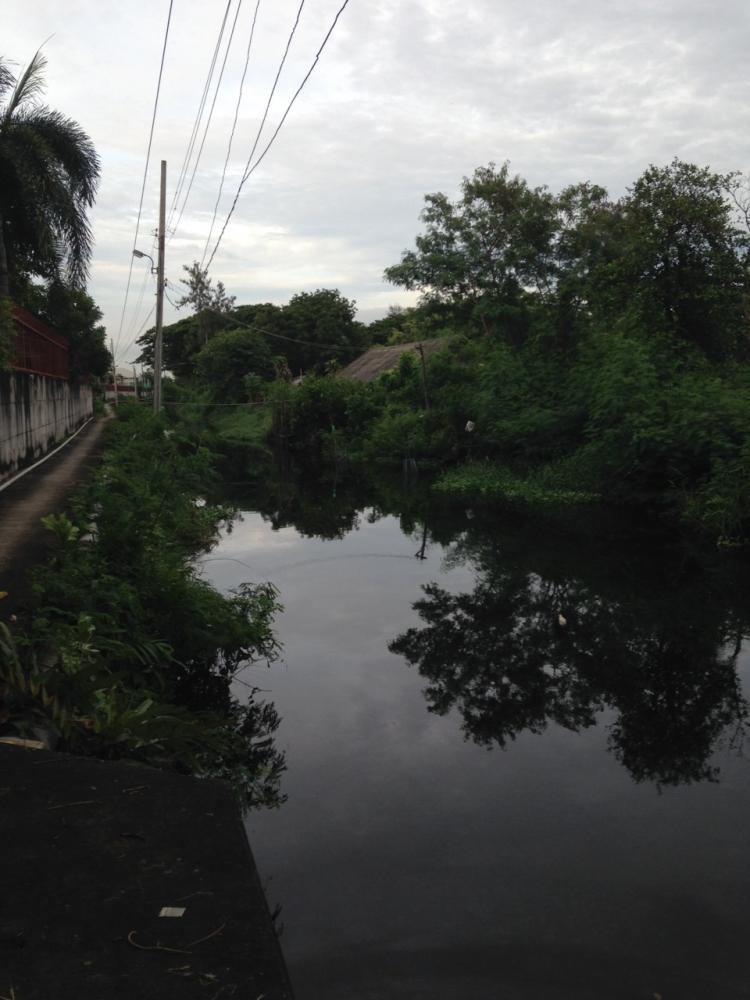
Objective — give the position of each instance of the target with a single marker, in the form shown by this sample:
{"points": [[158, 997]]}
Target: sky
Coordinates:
{"points": [[408, 97]]}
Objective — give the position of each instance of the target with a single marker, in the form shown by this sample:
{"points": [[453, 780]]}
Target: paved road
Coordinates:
{"points": [[23, 540]]}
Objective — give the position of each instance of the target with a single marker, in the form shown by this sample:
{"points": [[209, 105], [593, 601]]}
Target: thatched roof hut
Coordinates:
{"points": [[385, 358]]}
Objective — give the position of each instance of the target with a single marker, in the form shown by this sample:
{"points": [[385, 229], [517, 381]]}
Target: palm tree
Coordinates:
{"points": [[49, 171]]}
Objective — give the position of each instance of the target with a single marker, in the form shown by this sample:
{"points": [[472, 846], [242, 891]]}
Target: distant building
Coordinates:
{"points": [[129, 384], [384, 359]]}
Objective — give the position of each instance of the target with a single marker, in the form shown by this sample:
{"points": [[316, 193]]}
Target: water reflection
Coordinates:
{"points": [[549, 638], [652, 631]]}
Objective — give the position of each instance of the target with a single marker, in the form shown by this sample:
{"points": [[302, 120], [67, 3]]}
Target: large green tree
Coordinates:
{"points": [[681, 265], [49, 172], [228, 358], [321, 328], [483, 253], [313, 329]]}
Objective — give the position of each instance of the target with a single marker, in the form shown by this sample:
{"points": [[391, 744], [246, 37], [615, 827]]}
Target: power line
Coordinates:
{"points": [[198, 118], [231, 134], [145, 322], [280, 336], [145, 172], [147, 273], [210, 116], [251, 169], [259, 329], [267, 109]]}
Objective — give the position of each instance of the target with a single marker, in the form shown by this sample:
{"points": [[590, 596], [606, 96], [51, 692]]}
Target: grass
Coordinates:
{"points": [[496, 482]]}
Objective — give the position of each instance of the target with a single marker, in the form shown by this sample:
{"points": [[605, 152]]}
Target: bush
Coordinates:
{"points": [[126, 650]]}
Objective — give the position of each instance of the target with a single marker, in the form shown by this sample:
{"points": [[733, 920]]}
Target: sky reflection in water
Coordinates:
{"points": [[482, 803]]}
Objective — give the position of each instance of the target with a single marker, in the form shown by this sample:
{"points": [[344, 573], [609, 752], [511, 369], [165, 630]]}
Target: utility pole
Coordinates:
{"points": [[114, 370], [160, 287]]}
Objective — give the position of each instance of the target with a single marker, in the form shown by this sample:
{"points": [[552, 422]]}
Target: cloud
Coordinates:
{"points": [[409, 96]]}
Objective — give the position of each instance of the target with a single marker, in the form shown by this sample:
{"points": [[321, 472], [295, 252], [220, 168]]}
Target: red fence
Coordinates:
{"points": [[38, 349]]}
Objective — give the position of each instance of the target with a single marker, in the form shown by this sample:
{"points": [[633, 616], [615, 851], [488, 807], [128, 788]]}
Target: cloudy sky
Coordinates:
{"points": [[408, 97]]}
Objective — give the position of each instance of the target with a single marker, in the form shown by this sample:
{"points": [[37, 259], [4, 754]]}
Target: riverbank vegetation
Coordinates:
{"points": [[594, 350], [125, 651]]}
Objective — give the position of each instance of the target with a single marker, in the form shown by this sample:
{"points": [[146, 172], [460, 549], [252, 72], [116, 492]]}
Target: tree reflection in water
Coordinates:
{"points": [[662, 653], [653, 632]]}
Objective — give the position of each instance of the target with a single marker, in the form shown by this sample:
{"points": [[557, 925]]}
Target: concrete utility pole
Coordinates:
{"points": [[160, 287]]}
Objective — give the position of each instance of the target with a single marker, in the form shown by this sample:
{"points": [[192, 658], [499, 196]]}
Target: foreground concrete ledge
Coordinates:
{"points": [[90, 854]]}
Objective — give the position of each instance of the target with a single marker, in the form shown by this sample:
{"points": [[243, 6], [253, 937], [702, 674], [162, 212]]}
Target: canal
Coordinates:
{"points": [[514, 749]]}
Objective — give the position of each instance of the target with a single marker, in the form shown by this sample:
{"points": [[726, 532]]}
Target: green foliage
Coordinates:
{"points": [[228, 358], [312, 330], [681, 261], [491, 244], [324, 318], [49, 172], [201, 296], [323, 415], [494, 482], [664, 666], [128, 651], [7, 332], [592, 349], [75, 315]]}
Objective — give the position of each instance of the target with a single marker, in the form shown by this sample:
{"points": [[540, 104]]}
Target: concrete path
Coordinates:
{"points": [[44, 490], [91, 852]]}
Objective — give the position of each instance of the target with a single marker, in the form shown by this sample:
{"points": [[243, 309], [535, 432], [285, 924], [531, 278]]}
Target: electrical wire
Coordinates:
{"points": [[268, 106], [231, 134], [252, 168], [145, 174], [208, 120], [198, 118], [280, 336], [147, 273]]}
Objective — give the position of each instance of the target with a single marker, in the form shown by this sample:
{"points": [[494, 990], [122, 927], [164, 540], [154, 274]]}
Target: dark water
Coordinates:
{"points": [[483, 803]]}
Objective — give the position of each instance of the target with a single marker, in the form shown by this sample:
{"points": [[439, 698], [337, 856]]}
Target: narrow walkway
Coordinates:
{"points": [[93, 852], [45, 490]]}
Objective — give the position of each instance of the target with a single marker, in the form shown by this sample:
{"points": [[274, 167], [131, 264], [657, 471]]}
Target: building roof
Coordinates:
{"points": [[384, 359]]}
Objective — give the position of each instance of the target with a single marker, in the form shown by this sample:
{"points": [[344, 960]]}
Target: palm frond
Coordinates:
{"points": [[70, 149], [29, 86], [7, 77], [49, 172]]}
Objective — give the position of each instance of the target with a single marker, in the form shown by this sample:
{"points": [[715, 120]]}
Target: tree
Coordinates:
{"points": [[312, 330], [181, 341], [487, 249], [49, 171], [497, 656], [223, 364], [585, 243], [201, 294], [324, 320], [74, 314], [681, 266]]}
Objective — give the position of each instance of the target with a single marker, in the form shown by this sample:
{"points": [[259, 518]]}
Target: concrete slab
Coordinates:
{"points": [[92, 851]]}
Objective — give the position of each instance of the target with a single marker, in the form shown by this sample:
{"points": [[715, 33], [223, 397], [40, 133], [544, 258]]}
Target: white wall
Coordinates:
{"points": [[37, 413]]}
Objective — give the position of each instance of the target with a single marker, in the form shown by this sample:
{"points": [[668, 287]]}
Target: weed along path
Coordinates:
{"points": [[28, 498]]}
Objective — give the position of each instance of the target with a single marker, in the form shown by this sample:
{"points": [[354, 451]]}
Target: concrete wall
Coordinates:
{"points": [[37, 413]]}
